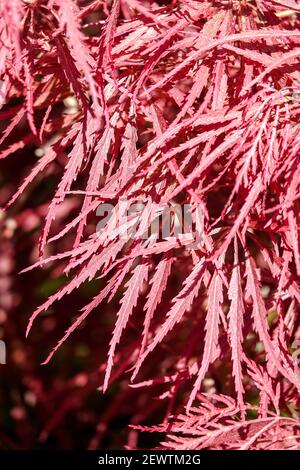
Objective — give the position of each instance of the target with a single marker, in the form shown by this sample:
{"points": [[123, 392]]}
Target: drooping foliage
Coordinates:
{"points": [[171, 103]]}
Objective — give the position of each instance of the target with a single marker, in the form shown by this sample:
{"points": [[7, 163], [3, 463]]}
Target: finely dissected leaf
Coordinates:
{"points": [[128, 302], [236, 322], [248, 205], [159, 282], [211, 350]]}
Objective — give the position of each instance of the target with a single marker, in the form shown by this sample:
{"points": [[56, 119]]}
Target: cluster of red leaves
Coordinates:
{"points": [[216, 425], [172, 102]]}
